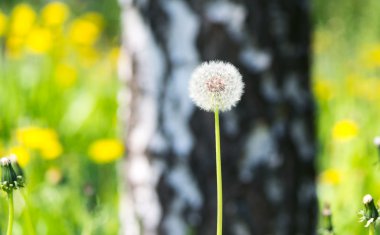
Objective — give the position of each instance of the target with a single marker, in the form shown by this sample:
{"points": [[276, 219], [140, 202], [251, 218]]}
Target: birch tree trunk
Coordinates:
{"points": [[268, 141]]}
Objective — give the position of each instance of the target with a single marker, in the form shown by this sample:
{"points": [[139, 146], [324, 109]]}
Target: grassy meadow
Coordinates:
{"points": [[58, 107], [346, 83]]}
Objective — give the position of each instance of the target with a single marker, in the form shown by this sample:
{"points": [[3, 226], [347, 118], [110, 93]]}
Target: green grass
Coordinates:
{"points": [[347, 84], [70, 194]]}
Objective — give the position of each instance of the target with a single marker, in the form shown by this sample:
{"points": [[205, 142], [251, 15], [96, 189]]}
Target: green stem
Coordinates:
{"points": [[11, 212], [218, 175], [372, 229], [27, 214]]}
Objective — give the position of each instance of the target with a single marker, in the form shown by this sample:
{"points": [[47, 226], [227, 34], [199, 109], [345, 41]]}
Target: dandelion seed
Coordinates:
{"points": [[216, 85]]}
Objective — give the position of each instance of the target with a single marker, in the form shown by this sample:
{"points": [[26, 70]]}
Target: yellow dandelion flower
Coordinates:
{"points": [[39, 40], [44, 140], [331, 176], [371, 56], [351, 82], [22, 154], [14, 46], [22, 19], [34, 137], [55, 13], [51, 149], [95, 18], [65, 75], [84, 32], [322, 89], [368, 88], [106, 150], [344, 130], [3, 23]]}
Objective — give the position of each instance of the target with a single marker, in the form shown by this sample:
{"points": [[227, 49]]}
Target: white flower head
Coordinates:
{"points": [[376, 141], [367, 199], [216, 85], [4, 161]]}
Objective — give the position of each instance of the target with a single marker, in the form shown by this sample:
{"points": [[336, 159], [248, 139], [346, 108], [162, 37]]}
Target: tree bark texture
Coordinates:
{"points": [[268, 140]]}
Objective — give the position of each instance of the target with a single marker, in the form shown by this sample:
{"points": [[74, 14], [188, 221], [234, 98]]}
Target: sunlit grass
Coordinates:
{"points": [[58, 100], [346, 81]]}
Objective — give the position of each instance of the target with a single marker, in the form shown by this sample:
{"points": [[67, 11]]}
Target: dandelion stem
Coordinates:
{"points": [[11, 212], [372, 229], [218, 175], [28, 216]]}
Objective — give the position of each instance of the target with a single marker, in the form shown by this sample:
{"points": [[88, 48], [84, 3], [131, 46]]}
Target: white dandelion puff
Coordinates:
{"points": [[5, 161], [376, 141], [367, 199], [216, 85]]}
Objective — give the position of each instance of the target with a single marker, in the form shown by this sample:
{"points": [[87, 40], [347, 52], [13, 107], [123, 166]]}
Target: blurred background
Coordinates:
{"points": [[58, 110], [346, 80], [58, 105]]}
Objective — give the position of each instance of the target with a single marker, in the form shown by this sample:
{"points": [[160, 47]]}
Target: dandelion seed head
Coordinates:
{"points": [[367, 199], [216, 84], [5, 161], [376, 141]]}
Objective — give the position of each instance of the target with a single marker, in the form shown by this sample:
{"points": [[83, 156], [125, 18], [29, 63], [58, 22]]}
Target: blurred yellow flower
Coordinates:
{"points": [[65, 75], [22, 19], [3, 23], [371, 56], [44, 140], [106, 150], [361, 86], [51, 149], [55, 13], [331, 176], [39, 40], [322, 89], [14, 45], [114, 56], [22, 154], [34, 137], [345, 129], [95, 18], [84, 32]]}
